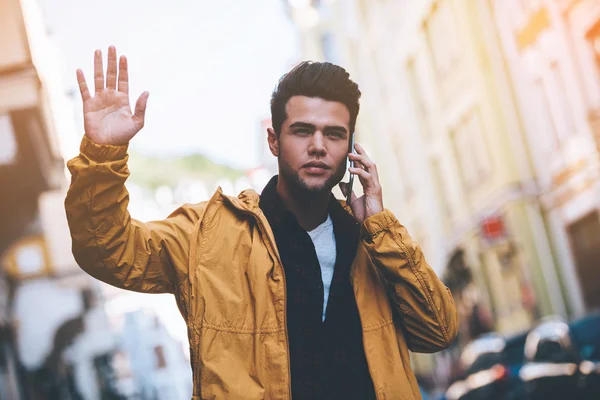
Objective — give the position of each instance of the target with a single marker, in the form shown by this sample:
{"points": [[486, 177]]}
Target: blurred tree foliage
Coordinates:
{"points": [[152, 172]]}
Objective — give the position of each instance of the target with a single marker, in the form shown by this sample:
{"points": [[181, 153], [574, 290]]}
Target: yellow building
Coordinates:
{"points": [[553, 54], [440, 118]]}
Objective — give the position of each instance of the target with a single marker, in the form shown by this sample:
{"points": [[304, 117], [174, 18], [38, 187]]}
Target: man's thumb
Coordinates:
{"points": [[140, 107]]}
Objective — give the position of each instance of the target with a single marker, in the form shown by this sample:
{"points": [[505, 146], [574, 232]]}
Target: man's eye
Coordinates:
{"points": [[302, 131], [337, 135]]}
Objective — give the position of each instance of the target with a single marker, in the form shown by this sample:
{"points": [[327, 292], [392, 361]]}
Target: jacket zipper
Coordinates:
{"points": [[274, 250]]}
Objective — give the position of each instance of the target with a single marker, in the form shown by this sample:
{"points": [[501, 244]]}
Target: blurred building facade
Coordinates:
{"points": [[29, 165], [54, 335], [552, 52], [462, 151]]}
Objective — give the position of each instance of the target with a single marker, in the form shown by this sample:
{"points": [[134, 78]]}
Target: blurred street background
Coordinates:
{"points": [[482, 115]]}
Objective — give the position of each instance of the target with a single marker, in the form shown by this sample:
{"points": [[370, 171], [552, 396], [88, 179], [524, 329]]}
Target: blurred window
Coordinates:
{"points": [[404, 174], [442, 193], [556, 94], [363, 7], [584, 236], [418, 100], [529, 6], [8, 150], [159, 353], [593, 37], [471, 151], [30, 259], [443, 38], [546, 117]]}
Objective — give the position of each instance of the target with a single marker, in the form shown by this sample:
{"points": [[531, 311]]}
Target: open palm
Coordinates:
{"points": [[107, 116]]}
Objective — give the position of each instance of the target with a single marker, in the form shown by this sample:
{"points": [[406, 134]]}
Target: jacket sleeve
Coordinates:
{"points": [[427, 308], [110, 245]]}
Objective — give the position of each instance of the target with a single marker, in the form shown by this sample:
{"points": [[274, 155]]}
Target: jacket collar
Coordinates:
{"points": [[250, 201], [276, 212], [272, 205]]}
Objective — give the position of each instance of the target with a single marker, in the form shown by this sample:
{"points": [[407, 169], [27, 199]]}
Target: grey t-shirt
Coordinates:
{"points": [[323, 239]]}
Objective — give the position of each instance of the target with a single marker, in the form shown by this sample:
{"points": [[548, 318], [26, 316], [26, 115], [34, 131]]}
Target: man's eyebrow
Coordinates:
{"points": [[336, 128], [300, 124]]}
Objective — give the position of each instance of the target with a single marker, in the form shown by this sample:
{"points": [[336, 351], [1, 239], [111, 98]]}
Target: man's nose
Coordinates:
{"points": [[317, 144]]}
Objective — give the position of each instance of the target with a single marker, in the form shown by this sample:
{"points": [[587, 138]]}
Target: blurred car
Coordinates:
{"points": [[492, 364], [552, 361], [585, 334], [563, 359]]}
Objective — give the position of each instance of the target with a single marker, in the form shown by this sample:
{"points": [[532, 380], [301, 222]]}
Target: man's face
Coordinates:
{"points": [[313, 144]]}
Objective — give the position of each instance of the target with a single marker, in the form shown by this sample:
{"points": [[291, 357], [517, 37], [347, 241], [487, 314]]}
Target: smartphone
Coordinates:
{"points": [[351, 163]]}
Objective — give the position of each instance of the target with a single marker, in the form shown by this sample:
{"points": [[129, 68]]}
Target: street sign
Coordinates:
{"points": [[493, 228]]}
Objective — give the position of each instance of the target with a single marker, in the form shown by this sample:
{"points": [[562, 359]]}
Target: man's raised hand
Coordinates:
{"points": [[107, 115]]}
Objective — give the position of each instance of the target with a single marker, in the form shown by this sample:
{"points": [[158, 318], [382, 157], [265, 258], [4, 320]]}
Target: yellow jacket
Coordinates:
{"points": [[220, 260]]}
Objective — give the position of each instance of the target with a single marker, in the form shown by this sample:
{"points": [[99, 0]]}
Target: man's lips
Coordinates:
{"points": [[315, 167]]}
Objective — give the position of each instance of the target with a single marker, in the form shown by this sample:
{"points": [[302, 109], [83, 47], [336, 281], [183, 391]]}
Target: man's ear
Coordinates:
{"points": [[273, 140]]}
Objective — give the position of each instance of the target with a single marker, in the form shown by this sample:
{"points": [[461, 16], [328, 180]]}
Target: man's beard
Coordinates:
{"points": [[296, 183]]}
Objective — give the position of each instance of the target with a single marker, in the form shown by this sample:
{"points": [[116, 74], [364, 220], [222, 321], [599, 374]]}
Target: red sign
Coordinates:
{"points": [[492, 228]]}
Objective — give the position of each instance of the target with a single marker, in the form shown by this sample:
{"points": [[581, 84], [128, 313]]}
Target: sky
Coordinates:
{"points": [[210, 67]]}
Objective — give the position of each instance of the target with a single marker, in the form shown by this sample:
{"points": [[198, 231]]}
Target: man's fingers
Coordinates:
{"points": [[83, 88], [362, 174], [123, 75], [359, 149], [367, 180], [140, 109], [359, 161], [362, 162], [362, 158], [98, 72], [111, 68]]}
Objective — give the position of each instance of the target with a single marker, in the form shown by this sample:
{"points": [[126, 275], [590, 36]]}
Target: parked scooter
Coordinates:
{"points": [[563, 360], [491, 363]]}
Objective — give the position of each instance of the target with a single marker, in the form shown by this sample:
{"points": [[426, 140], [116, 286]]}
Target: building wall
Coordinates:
{"points": [[46, 309], [555, 78], [440, 118], [453, 118], [14, 52]]}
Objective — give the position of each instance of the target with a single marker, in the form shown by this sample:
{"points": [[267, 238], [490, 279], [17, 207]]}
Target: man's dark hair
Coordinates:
{"points": [[315, 79]]}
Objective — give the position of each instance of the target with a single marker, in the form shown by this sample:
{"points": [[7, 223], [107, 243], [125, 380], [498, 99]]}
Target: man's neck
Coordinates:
{"points": [[310, 209]]}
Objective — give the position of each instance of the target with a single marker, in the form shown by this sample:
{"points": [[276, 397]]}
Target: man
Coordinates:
{"points": [[286, 294]]}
